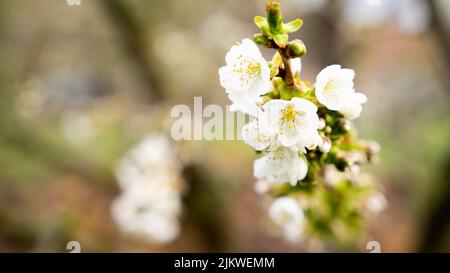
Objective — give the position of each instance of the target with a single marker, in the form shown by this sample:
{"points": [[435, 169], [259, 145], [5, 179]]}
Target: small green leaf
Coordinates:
{"points": [[292, 26], [260, 21], [276, 59], [281, 40], [266, 31], [274, 70]]}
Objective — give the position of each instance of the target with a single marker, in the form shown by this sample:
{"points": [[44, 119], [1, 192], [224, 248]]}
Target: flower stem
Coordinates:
{"points": [[289, 77]]}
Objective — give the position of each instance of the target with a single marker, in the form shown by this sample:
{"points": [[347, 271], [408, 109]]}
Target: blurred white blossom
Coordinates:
{"points": [[150, 158], [287, 213], [78, 127], [410, 16], [150, 204], [262, 186], [376, 203], [332, 176], [305, 6]]}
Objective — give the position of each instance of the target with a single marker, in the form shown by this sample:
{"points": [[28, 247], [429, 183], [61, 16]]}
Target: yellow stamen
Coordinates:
{"points": [[330, 85]]}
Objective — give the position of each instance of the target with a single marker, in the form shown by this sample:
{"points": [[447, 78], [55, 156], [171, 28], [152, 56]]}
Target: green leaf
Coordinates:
{"points": [[266, 31], [281, 40], [274, 70], [260, 21], [276, 59], [292, 26]]}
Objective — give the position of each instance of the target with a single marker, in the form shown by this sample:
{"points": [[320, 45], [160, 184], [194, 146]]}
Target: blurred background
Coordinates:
{"points": [[80, 85]]}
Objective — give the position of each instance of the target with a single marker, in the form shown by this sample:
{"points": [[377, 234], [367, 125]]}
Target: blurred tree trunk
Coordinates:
{"points": [[134, 41], [205, 207], [437, 221], [441, 35]]}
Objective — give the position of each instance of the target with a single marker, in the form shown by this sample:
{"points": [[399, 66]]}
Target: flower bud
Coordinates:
{"points": [[274, 16], [372, 149], [296, 49], [353, 160], [325, 146], [331, 175], [350, 161], [260, 39], [322, 124], [345, 125]]}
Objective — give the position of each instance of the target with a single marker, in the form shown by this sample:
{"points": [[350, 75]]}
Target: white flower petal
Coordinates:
{"points": [[296, 66], [335, 90], [294, 122], [252, 135], [281, 166], [246, 72], [287, 213]]}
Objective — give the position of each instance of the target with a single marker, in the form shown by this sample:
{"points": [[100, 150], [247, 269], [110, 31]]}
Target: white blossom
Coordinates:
{"points": [[410, 16], [245, 77], [296, 66], [253, 136], [150, 158], [281, 166], [287, 213], [376, 203], [262, 186], [325, 145], [332, 177], [304, 7], [334, 89], [293, 122], [148, 213], [150, 204]]}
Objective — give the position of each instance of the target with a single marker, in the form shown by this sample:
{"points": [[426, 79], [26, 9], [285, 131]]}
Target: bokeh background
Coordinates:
{"points": [[79, 85]]}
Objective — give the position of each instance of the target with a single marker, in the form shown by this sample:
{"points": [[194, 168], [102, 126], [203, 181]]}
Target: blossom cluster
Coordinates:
{"points": [[150, 204], [303, 129]]}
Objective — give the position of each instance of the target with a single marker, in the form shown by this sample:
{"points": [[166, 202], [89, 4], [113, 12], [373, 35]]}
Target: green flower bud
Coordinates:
{"points": [[274, 16], [260, 39], [295, 49]]}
